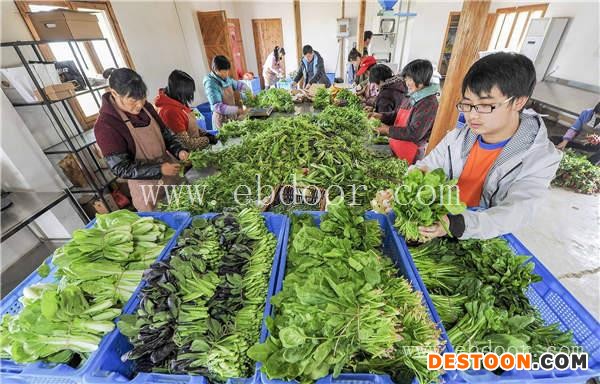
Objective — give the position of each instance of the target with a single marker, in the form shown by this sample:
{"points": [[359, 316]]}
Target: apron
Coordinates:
{"points": [[193, 130], [150, 148], [402, 149], [228, 98]]}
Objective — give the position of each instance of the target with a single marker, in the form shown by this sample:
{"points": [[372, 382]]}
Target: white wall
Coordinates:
{"points": [[246, 11], [155, 39], [428, 29], [578, 55]]}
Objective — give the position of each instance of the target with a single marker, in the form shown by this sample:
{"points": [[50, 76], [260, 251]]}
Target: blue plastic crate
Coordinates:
{"points": [[107, 367], [555, 304], [331, 77], [206, 112], [44, 373], [284, 84], [398, 253]]}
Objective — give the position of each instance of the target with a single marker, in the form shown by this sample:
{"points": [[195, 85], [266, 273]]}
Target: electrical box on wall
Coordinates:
{"points": [[343, 28], [541, 41]]}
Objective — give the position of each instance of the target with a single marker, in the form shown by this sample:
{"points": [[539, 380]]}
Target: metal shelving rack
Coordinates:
{"points": [[78, 141]]}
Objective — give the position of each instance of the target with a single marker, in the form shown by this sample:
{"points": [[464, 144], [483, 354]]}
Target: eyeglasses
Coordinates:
{"points": [[480, 108]]}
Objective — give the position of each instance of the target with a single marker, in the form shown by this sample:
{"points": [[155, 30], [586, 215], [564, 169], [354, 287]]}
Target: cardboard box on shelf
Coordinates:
{"points": [[57, 91], [66, 24]]}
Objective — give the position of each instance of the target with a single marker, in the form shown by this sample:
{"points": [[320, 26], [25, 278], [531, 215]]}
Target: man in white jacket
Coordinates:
{"points": [[502, 157]]}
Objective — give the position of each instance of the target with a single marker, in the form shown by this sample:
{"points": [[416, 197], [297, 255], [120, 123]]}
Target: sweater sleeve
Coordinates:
{"points": [[299, 74], [420, 124], [384, 102], [388, 118], [319, 73], [108, 139]]}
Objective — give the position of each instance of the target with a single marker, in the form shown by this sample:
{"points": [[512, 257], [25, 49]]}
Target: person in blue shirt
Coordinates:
{"points": [[311, 69], [220, 90], [590, 117], [354, 58]]}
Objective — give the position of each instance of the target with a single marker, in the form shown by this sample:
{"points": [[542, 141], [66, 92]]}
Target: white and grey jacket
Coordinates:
{"points": [[520, 175]]}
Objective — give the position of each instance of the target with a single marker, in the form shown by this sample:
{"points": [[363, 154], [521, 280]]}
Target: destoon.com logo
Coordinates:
{"points": [[506, 361]]}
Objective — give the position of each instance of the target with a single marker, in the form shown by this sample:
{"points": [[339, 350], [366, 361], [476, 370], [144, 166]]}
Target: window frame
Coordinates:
{"points": [[530, 9], [103, 5]]}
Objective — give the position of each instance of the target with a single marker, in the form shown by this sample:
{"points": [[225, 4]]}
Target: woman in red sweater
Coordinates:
{"points": [[173, 103]]}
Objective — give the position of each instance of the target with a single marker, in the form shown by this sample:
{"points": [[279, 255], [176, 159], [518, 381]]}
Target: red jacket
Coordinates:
{"points": [[172, 112]]}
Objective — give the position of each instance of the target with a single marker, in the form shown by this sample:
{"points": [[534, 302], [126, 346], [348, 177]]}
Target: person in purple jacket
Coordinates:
{"points": [[590, 117]]}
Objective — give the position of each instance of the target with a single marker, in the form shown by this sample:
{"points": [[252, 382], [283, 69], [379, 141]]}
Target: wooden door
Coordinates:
{"points": [[215, 35], [237, 46], [448, 42], [268, 33]]}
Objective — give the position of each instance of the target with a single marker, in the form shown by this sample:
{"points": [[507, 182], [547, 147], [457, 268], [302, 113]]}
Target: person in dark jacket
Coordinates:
{"points": [[135, 142], [392, 89], [311, 69], [173, 104], [409, 127]]}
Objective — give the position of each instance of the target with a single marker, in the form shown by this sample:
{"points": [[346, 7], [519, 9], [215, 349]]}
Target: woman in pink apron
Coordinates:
{"points": [[409, 127], [136, 143], [220, 90]]}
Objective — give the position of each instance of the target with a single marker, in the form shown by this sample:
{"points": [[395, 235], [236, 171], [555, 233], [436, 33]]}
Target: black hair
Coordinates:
{"points": [[277, 52], [181, 87], [367, 35], [220, 63], [512, 73], [307, 49], [354, 54], [420, 71], [126, 82], [597, 108], [380, 73]]}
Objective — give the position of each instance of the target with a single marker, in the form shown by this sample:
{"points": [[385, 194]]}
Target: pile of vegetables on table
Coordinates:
{"points": [[323, 150], [478, 288], [279, 99], [203, 307], [577, 173], [96, 274], [337, 96], [343, 307]]}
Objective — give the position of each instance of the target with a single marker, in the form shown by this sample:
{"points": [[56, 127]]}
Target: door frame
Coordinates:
{"points": [[227, 44], [257, 46], [238, 28]]}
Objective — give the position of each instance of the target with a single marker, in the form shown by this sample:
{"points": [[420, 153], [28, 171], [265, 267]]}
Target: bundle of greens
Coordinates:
{"points": [[577, 173], [99, 270], [322, 99], [279, 99], [344, 308], [239, 128], [479, 289], [56, 325], [347, 98], [422, 200], [202, 309]]}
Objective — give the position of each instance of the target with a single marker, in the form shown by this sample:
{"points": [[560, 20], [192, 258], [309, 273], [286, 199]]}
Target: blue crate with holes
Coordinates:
{"points": [[331, 77], [108, 367], [556, 305], [45, 373], [398, 252]]}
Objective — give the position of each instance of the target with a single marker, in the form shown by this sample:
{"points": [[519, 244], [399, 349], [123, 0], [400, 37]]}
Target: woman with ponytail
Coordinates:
{"points": [[273, 67]]}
